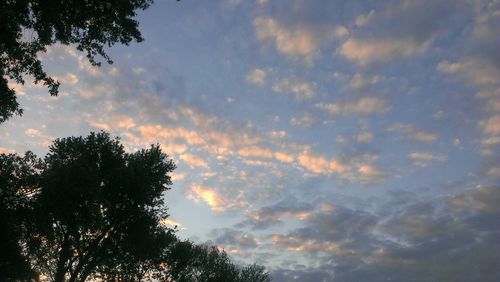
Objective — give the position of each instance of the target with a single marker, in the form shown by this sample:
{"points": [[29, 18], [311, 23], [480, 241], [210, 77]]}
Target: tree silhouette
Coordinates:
{"points": [[99, 206], [189, 262], [27, 27], [16, 185], [91, 211]]}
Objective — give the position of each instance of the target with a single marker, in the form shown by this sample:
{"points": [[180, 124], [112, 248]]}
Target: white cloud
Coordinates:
{"points": [[319, 164], [366, 51], [214, 199], [69, 78], [300, 41], [359, 81], [411, 132], [364, 19], [31, 132], [494, 171], [494, 140], [364, 105], [305, 120], [5, 150], [257, 77], [475, 70], [365, 137], [491, 126], [423, 159], [301, 89], [193, 161], [371, 174], [290, 42]]}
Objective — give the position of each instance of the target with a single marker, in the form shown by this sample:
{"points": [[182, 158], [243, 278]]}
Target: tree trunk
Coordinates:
{"points": [[61, 261]]}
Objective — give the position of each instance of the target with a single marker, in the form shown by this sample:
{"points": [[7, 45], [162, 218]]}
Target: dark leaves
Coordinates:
{"points": [[90, 25]]}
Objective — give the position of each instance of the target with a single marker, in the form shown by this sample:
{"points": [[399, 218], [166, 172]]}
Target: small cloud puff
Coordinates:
{"points": [[364, 105], [257, 77], [301, 89], [411, 132], [423, 159]]}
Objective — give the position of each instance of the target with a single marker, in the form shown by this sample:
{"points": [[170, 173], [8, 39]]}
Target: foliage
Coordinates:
{"points": [[27, 27], [89, 210], [188, 262], [16, 184]]}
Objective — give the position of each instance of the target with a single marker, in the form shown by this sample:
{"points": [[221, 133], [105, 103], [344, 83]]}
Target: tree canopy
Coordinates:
{"points": [[89, 210], [27, 27]]}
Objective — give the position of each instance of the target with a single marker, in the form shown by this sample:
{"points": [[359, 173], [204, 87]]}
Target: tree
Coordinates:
{"points": [[16, 185], [27, 27], [254, 273], [91, 211], [98, 209], [188, 262]]}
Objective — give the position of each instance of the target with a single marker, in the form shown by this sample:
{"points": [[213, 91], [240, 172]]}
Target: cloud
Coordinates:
{"points": [[233, 238], [319, 164], [301, 89], [257, 77], [173, 148], [176, 176], [5, 150], [364, 105], [493, 171], [298, 244], [171, 223], [305, 120], [114, 122], [193, 161], [298, 41], [270, 216], [411, 132], [365, 137], [490, 141], [482, 199], [491, 126], [264, 153], [283, 157], [400, 29], [423, 159], [371, 174], [399, 237], [214, 200], [475, 70], [151, 133], [360, 81], [354, 168], [366, 51], [69, 78], [31, 132], [256, 152], [364, 19], [291, 42]]}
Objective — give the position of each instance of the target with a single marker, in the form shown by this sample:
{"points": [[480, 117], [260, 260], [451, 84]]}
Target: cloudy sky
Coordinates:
{"points": [[326, 140]]}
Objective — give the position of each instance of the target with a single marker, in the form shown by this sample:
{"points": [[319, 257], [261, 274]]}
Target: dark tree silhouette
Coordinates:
{"points": [[188, 262], [27, 27], [91, 211], [16, 185], [99, 206]]}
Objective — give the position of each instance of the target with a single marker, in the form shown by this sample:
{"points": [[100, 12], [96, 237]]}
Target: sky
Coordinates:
{"points": [[326, 140]]}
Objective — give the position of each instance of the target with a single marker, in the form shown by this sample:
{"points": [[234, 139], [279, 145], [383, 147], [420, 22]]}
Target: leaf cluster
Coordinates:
{"points": [[28, 27]]}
